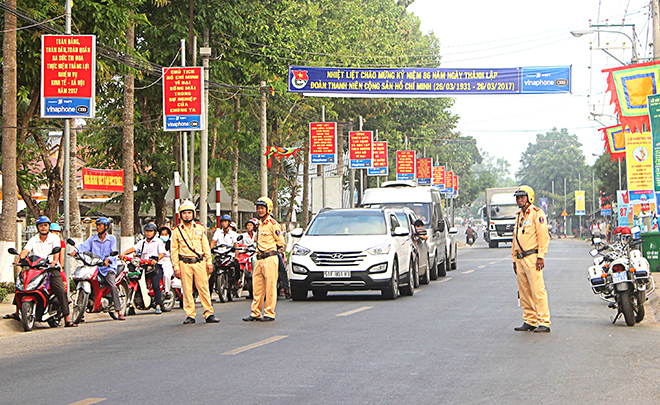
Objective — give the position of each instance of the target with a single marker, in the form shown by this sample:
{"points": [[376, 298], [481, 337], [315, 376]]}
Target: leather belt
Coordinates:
{"points": [[265, 255], [190, 260], [521, 255]]}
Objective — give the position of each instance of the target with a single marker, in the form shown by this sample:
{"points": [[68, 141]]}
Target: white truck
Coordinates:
{"points": [[499, 215]]}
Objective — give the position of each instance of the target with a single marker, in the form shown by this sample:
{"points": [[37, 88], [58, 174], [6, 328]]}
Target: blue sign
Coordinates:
{"points": [[543, 202], [67, 107], [182, 122], [378, 171], [323, 159], [405, 176], [426, 82], [606, 212], [424, 182]]}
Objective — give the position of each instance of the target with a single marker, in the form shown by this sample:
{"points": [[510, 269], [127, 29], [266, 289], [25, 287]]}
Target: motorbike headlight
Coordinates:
{"points": [[380, 249], [32, 285], [135, 261], [19, 282], [300, 250]]}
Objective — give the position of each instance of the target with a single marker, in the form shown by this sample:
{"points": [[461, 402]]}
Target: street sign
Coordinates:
{"points": [[184, 193], [183, 99], [564, 214]]}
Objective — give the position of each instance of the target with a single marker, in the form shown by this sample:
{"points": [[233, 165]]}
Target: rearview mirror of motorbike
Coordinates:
{"points": [[597, 240], [114, 253], [71, 242], [56, 250], [635, 229], [593, 252], [12, 251], [240, 238]]}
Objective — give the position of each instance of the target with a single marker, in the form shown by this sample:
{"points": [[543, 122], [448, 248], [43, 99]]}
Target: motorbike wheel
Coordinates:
{"points": [[79, 298], [168, 303], [123, 300], [28, 309], [627, 307], [639, 314], [222, 288]]}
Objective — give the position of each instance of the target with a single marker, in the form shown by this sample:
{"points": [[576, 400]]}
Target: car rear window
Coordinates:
{"points": [[348, 223]]}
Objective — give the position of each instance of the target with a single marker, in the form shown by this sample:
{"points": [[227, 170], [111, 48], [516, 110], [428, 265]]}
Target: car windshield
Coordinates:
{"points": [[348, 223], [422, 210], [503, 211]]}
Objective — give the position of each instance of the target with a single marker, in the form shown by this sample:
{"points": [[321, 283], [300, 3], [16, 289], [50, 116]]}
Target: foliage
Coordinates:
{"points": [[607, 173], [6, 289]]}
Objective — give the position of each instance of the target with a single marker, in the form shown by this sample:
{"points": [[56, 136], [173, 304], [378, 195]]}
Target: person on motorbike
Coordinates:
{"points": [[42, 244], [225, 235], [251, 232], [57, 230], [102, 244], [168, 270], [149, 247], [469, 233]]}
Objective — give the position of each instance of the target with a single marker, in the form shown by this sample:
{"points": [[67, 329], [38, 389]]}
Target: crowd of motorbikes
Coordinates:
{"points": [[620, 275], [91, 294]]}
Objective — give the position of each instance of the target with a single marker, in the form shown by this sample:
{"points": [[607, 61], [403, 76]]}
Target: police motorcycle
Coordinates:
{"points": [[227, 285], [92, 293], [620, 276], [141, 291], [33, 294]]}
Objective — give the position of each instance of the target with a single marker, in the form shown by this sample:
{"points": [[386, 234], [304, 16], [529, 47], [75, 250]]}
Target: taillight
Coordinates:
{"points": [[618, 267]]}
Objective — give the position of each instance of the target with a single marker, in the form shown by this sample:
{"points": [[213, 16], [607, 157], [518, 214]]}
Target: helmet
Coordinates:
{"points": [[165, 228], [266, 202], [55, 227], [617, 230], [150, 227], [43, 220], [103, 220], [625, 230], [186, 206], [232, 225], [225, 218], [525, 191], [252, 221]]}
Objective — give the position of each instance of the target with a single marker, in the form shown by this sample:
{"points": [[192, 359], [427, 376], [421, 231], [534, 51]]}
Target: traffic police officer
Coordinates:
{"points": [[530, 245], [192, 261], [264, 277]]}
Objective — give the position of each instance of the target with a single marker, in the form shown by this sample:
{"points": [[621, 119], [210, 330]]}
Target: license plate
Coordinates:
{"points": [[619, 277], [337, 274]]}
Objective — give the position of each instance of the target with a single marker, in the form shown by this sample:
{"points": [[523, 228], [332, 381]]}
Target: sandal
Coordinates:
{"points": [[10, 316], [70, 325]]}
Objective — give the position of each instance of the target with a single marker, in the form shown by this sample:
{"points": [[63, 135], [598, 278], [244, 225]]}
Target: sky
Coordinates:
{"points": [[487, 34]]}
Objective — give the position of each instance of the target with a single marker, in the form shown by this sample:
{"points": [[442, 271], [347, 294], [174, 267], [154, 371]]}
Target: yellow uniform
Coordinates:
{"points": [[531, 234], [192, 265], [264, 277]]}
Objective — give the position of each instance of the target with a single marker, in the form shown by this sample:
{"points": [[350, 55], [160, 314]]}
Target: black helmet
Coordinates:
{"points": [[150, 227]]}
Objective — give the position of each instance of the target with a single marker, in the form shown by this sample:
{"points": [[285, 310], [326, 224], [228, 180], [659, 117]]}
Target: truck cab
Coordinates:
{"points": [[499, 215]]}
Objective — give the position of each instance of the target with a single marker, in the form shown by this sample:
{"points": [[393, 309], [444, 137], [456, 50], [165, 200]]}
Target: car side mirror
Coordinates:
{"points": [[297, 233], [453, 230], [441, 225], [400, 231], [71, 242]]}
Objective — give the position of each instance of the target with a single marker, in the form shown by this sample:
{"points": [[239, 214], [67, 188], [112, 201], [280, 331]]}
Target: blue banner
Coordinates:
{"points": [[67, 107], [426, 82], [377, 171], [183, 122], [405, 176]]}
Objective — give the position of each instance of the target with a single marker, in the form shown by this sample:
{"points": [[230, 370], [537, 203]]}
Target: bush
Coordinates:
{"points": [[6, 289]]}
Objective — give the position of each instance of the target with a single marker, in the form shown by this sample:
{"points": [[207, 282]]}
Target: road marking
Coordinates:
{"points": [[89, 401], [482, 266], [254, 345], [468, 272], [444, 280], [354, 311], [493, 262]]}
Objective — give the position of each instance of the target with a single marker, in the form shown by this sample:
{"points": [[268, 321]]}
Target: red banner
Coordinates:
{"points": [[405, 165], [380, 154], [360, 149], [439, 176], [424, 171], [103, 180], [183, 99], [449, 180], [455, 183], [323, 142]]}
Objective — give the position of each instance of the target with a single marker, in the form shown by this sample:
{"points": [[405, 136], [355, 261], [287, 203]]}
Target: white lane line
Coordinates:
{"points": [[254, 345], [354, 311], [88, 401], [468, 272], [493, 262], [444, 280], [482, 266]]}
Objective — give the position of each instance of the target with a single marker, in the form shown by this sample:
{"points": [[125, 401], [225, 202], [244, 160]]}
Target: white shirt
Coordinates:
{"points": [[147, 249], [42, 249], [221, 238], [247, 240]]}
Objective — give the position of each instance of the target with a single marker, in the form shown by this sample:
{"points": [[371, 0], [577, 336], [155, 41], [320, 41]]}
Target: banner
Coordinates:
{"points": [[455, 195], [426, 82], [639, 162], [439, 177], [380, 161], [68, 76], [579, 203], [615, 142], [103, 180], [654, 118], [360, 149], [424, 171], [625, 214], [629, 87], [183, 99], [405, 165], [323, 142], [543, 203], [449, 182]]}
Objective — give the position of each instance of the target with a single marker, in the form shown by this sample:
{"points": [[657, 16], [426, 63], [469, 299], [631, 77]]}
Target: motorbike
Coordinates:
{"points": [[227, 284], [92, 294], [620, 276], [33, 294], [141, 291], [244, 256], [470, 239]]}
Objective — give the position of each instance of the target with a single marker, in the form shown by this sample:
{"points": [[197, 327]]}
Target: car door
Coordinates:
{"points": [[402, 245]]}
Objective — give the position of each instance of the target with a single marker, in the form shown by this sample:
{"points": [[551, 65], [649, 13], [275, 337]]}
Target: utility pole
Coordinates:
{"points": [[204, 143], [128, 151], [191, 162], [656, 29], [184, 134], [321, 168], [264, 139], [564, 207], [580, 216], [593, 193]]}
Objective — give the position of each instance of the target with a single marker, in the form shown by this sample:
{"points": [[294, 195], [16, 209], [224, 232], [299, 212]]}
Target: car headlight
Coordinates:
{"points": [[300, 250], [380, 249], [379, 268], [35, 282], [298, 269]]}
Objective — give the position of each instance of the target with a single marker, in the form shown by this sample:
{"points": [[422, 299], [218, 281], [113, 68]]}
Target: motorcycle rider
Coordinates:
{"points": [[192, 261], [147, 248], [42, 244], [168, 271], [225, 235], [469, 233], [269, 240], [529, 247], [102, 244], [251, 232]]}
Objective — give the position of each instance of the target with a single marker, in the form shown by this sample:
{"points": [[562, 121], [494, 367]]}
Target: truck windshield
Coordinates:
{"points": [[348, 223], [422, 210], [503, 211]]}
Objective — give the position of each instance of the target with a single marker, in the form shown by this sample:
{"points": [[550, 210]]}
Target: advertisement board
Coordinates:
{"points": [[424, 171], [360, 145], [405, 165], [639, 161], [449, 182], [323, 142], [625, 214], [183, 99], [579, 203], [439, 177], [379, 160], [103, 180], [68, 73]]}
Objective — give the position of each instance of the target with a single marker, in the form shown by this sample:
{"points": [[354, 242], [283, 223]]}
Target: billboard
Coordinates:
{"points": [[183, 99], [103, 180], [379, 160], [68, 73], [405, 165], [639, 146], [424, 171], [360, 145], [579, 203], [323, 142], [439, 177]]}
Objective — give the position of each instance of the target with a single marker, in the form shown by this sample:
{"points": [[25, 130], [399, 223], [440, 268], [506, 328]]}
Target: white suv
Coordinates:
{"points": [[352, 249]]}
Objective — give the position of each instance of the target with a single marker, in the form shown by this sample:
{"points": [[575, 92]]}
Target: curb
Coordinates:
{"points": [[654, 300]]}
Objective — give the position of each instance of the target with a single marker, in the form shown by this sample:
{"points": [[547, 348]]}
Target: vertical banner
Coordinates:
{"points": [[623, 206], [543, 203], [405, 165], [439, 177], [424, 171], [639, 146], [455, 186], [360, 145], [449, 182], [654, 116], [323, 142], [579, 203], [68, 76], [380, 160], [183, 99]]}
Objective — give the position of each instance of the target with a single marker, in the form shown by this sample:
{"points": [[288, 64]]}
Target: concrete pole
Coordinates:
{"points": [[264, 140], [204, 144], [184, 134], [67, 159], [322, 167], [191, 162]]}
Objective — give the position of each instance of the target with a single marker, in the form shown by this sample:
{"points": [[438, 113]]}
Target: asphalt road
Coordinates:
{"points": [[452, 342]]}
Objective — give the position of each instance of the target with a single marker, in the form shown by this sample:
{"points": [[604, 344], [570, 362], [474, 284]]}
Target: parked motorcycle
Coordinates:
{"points": [[620, 276], [227, 284], [33, 294], [244, 256], [92, 293], [141, 291]]}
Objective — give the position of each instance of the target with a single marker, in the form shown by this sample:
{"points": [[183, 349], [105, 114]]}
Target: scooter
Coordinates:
{"points": [[140, 288], [227, 284], [92, 293], [470, 240], [244, 256], [33, 295]]}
